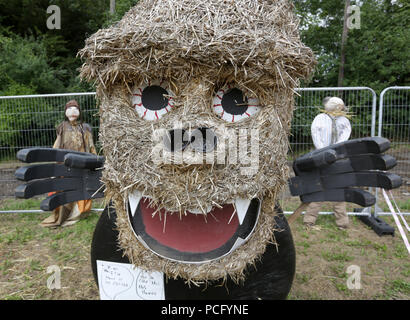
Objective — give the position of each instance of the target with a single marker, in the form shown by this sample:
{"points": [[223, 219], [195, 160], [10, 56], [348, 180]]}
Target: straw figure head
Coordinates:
{"points": [[334, 104], [196, 99]]}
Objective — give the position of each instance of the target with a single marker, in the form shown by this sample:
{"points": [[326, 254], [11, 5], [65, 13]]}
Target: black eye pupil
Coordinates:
{"points": [[234, 102], [153, 98]]}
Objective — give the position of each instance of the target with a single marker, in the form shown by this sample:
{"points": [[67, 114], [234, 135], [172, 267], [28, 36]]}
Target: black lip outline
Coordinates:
{"points": [[244, 231]]}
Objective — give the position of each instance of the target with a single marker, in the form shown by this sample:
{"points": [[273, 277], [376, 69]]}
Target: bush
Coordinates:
{"points": [[24, 61]]}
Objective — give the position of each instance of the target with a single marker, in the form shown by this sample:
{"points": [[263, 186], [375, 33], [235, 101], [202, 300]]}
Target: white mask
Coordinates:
{"points": [[72, 113]]}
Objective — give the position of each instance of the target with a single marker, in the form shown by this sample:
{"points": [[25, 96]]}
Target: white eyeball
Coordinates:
{"points": [[152, 100], [231, 105]]}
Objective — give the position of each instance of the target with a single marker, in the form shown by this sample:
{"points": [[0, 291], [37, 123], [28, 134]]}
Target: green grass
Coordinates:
{"points": [[36, 265], [339, 270], [325, 254], [20, 204], [34, 204], [341, 286], [336, 256], [397, 288], [20, 235], [14, 297], [27, 250], [403, 204]]}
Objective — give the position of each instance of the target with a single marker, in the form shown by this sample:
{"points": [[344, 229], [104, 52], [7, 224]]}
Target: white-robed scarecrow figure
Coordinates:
{"points": [[181, 83], [330, 127]]}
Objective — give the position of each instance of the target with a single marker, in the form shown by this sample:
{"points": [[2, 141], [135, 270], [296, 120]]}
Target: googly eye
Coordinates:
{"points": [[152, 100], [231, 105]]}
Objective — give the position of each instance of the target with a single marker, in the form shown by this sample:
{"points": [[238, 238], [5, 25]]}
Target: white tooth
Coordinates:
{"points": [[242, 206], [199, 211], [134, 199], [195, 211], [237, 243]]}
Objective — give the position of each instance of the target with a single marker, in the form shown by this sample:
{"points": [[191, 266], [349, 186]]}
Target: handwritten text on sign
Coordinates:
{"points": [[123, 281]]}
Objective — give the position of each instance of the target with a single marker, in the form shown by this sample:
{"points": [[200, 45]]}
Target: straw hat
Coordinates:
{"points": [[255, 36]]}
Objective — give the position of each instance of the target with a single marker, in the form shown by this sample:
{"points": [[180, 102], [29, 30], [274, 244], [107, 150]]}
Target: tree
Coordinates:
{"points": [[25, 62], [27, 19], [112, 6], [376, 54], [343, 46]]}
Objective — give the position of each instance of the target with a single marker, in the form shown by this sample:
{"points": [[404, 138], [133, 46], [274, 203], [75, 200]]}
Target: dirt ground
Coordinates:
{"points": [[323, 256]]}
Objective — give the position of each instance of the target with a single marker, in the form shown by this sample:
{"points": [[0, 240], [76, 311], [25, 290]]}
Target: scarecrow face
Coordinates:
{"points": [[72, 113], [196, 100], [195, 161]]}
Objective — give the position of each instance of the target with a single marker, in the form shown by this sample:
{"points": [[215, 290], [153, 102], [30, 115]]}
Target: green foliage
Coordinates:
{"points": [[377, 54], [378, 51], [24, 62], [121, 7], [29, 71], [78, 18], [52, 51], [21, 123], [302, 119]]}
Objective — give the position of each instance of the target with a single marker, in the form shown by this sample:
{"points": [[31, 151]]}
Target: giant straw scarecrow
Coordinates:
{"points": [[182, 86]]}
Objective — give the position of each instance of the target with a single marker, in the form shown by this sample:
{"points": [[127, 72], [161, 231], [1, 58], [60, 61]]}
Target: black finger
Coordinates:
{"points": [[80, 161], [40, 171], [42, 186], [360, 163], [357, 196], [353, 164], [307, 184], [44, 154], [63, 198], [92, 179], [314, 160], [325, 156]]}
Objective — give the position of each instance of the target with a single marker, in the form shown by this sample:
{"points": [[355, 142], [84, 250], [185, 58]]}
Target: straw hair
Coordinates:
{"points": [[197, 48], [162, 37], [72, 103]]}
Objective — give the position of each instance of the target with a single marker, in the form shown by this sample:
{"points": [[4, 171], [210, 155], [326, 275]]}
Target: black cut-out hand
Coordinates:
{"points": [[72, 175], [334, 173]]}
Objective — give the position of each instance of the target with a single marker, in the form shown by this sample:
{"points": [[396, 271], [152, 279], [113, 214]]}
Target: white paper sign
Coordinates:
{"points": [[123, 281]]}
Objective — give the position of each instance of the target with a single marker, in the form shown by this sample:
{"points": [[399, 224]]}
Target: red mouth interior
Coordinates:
{"points": [[190, 232]]}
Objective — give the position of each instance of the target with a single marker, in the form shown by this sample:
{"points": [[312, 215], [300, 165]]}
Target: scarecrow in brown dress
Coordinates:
{"points": [[72, 134]]}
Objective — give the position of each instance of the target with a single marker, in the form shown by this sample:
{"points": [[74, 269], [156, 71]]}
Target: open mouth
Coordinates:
{"points": [[193, 237]]}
